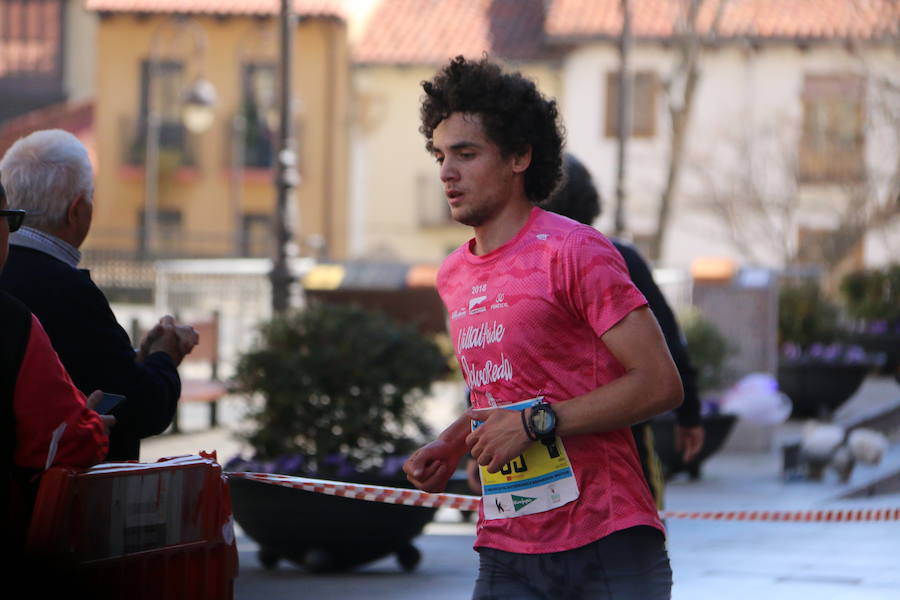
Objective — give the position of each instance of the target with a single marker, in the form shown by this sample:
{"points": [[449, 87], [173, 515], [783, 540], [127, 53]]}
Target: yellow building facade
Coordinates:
{"points": [[215, 194]]}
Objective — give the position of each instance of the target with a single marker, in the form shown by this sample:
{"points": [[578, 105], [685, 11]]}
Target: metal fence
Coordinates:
{"points": [[126, 272], [239, 290]]}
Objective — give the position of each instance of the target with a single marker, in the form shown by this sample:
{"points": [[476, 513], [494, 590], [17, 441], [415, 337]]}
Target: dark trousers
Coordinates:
{"points": [[631, 564]]}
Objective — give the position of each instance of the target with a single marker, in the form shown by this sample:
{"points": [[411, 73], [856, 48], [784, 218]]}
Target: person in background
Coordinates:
{"points": [[48, 174], [46, 420], [578, 199], [559, 350]]}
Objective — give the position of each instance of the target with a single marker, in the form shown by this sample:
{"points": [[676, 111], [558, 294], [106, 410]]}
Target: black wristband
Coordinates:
{"points": [[531, 435]]}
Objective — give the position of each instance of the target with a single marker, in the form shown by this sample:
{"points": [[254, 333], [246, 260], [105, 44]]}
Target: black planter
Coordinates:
{"points": [[886, 344], [716, 428], [817, 390], [326, 533]]}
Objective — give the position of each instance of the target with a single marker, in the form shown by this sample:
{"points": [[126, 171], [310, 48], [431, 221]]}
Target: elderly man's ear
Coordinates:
{"points": [[78, 220]]}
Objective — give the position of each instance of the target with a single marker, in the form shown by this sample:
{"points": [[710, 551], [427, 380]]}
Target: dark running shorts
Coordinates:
{"points": [[631, 564]]}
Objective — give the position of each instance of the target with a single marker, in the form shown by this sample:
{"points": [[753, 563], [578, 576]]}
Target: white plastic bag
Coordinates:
{"points": [[756, 398], [821, 440], [867, 446]]}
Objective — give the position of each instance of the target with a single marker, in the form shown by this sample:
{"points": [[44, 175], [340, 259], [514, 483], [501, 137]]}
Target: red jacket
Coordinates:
{"points": [[36, 397], [45, 397]]}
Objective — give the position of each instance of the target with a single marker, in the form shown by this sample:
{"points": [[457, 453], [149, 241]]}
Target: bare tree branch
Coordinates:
{"points": [[759, 216], [681, 103]]}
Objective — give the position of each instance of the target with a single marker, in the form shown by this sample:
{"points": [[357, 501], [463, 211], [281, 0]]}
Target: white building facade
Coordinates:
{"points": [[752, 137]]}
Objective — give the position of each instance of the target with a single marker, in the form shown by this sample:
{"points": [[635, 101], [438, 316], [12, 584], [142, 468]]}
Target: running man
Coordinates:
{"points": [[559, 349]]}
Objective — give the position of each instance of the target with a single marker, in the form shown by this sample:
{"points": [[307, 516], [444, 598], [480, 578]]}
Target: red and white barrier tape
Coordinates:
{"points": [[373, 493], [412, 497], [880, 514]]}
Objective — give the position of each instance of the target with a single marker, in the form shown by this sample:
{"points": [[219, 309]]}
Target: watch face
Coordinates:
{"points": [[542, 420]]}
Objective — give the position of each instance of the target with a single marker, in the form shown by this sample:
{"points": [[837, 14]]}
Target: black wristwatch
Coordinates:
{"points": [[542, 422]]}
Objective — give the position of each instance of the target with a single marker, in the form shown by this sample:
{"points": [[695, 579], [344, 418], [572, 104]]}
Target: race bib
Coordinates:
{"points": [[538, 480]]}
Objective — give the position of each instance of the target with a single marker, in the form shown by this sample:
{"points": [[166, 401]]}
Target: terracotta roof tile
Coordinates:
{"points": [[320, 8], [774, 19], [432, 31], [75, 117]]}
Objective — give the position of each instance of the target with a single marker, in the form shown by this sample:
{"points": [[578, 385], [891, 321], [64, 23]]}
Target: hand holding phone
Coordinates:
{"points": [[108, 402]]}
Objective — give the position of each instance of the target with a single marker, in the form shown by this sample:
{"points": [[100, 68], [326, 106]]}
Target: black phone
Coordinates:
{"points": [[109, 402]]}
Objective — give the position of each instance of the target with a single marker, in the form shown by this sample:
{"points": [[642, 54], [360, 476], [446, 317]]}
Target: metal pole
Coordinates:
{"points": [[151, 152], [286, 171], [238, 139]]}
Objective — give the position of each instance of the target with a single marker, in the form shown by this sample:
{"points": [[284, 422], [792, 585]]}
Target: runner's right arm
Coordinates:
{"points": [[431, 466]]}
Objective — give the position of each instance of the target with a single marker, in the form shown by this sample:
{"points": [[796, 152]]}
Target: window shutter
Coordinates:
{"points": [[643, 105]]}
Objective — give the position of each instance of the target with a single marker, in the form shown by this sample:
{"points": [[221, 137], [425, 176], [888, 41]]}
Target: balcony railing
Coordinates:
{"points": [[122, 267], [176, 145]]}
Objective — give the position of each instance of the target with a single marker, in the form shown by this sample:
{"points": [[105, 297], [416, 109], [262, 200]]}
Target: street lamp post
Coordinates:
{"points": [[198, 102], [286, 176]]}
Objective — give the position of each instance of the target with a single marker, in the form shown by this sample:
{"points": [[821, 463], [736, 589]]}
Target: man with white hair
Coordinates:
{"points": [[48, 173]]}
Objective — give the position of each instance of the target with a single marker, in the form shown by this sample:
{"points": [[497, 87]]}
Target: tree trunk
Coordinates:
{"points": [[680, 113], [624, 119], [680, 119]]}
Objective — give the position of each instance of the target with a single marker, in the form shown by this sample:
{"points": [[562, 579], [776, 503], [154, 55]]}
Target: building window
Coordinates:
{"points": [[31, 47], [432, 207], [832, 142], [819, 246], [643, 104], [168, 101], [256, 236], [259, 88]]}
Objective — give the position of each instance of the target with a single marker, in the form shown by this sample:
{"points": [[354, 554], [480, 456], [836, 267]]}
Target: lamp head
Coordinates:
{"points": [[199, 102]]}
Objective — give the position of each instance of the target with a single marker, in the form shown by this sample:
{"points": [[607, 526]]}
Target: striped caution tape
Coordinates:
{"points": [[373, 493], [887, 514], [412, 497]]}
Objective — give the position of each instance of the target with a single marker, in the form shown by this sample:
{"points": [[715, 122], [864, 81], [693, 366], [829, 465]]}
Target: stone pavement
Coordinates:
{"points": [[774, 560], [710, 559]]}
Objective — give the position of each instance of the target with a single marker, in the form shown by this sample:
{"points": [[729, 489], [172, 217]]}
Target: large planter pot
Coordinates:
{"points": [[817, 390], [326, 533], [716, 427], [887, 344]]}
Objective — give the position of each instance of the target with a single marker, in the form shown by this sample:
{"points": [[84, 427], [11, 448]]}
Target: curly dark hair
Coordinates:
{"points": [[515, 115], [576, 197]]}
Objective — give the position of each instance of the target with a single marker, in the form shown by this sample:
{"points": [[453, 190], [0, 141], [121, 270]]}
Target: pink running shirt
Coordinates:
{"points": [[526, 321]]}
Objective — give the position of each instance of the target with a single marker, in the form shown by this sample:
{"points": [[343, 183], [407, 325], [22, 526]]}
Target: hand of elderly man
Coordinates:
{"points": [[169, 337], [187, 338]]}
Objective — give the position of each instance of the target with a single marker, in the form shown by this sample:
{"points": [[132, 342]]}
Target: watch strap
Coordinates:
{"points": [[531, 435]]}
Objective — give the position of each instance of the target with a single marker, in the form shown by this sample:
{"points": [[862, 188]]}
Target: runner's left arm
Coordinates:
{"points": [[650, 386]]}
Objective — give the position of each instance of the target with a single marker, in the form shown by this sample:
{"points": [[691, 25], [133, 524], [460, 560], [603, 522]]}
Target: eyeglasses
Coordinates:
{"points": [[14, 218]]}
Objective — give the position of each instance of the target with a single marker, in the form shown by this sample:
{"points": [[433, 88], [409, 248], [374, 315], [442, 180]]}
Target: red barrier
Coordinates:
{"points": [[138, 530]]}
